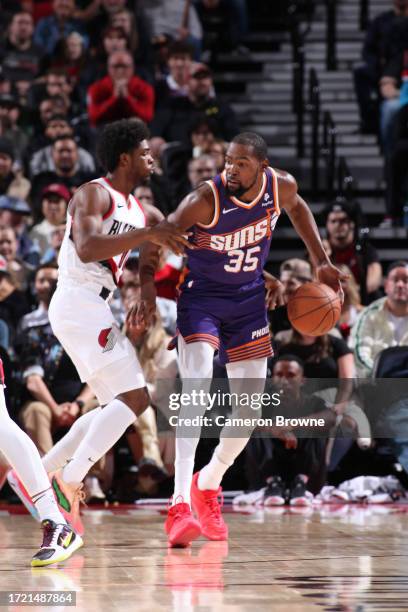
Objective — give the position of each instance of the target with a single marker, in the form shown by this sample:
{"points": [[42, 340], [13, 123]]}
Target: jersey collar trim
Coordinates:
{"points": [[247, 205]]}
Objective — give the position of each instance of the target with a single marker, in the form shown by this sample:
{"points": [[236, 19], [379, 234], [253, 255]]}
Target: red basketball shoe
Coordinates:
{"points": [[181, 526], [208, 509]]}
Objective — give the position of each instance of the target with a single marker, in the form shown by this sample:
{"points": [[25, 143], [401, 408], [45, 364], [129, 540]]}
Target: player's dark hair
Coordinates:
{"points": [[290, 357], [397, 264], [250, 139], [120, 137]]}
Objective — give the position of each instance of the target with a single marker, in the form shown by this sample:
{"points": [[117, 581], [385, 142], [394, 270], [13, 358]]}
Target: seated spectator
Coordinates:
{"points": [[42, 160], [51, 30], [113, 39], [384, 323], [15, 213], [292, 274], [11, 183], [390, 86], [292, 465], [20, 271], [218, 151], [175, 84], [67, 172], [160, 369], [324, 356], [57, 85], [168, 274], [20, 57], [377, 52], [170, 18], [54, 202], [136, 27], [120, 94], [51, 254], [351, 306], [13, 303], [73, 58], [173, 120], [9, 128], [345, 245], [200, 169]]}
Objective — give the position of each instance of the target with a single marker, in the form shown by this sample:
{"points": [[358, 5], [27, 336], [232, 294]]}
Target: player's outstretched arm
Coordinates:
{"points": [[88, 207], [197, 207], [305, 225]]}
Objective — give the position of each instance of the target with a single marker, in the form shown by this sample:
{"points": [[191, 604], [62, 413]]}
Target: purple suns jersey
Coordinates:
{"points": [[234, 247]]}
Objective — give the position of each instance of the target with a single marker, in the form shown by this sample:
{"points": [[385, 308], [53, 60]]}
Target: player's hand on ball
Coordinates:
{"points": [[331, 276], [274, 293], [169, 235]]}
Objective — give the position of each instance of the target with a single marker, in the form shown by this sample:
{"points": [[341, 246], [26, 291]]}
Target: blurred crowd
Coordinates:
{"points": [[381, 85], [67, 69]]}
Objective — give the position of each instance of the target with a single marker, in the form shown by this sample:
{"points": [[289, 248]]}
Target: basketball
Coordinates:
{"points": [[314, 309]]}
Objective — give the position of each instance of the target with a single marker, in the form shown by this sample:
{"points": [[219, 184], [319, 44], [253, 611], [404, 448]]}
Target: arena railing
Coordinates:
{"points": [[331, 35], [345, 180], [364, 14], [314, 108], [328, 151]]}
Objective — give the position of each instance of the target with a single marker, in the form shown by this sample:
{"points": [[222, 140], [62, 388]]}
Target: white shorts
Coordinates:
{"points": [[104, 357]]}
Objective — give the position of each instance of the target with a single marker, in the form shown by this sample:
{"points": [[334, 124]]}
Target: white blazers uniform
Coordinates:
{"points": [[79, 314]]}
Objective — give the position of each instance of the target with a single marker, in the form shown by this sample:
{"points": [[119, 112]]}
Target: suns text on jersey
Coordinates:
{"points": [[243, 237]]}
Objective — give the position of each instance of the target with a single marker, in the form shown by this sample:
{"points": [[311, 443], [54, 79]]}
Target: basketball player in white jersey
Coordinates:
{"points": [[59, 539], [104, 223]]}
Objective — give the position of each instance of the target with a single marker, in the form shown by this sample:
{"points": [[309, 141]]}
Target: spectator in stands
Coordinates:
{"points": [[345, 245], [73, 58], [218, 151], [385, 322], [51, 30], [175, 19], [144, 195], [326, 356], [20, 58], [179, 63], [57, 85], [137, 29], [351, 306], [54, 202], [15, 213], [11, 183], [160, 369], [57, 236], [53, 393], [20, 271], [9, 128], [173, 121], [292, 465], [201, 169], [120, 94], [42, 160], [67, 172], [377, 52], [168, 274], [13, 303], [292, 274]]}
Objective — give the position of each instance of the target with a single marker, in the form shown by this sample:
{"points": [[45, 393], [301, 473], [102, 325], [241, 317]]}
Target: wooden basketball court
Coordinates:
{"points": [[350, 558]]}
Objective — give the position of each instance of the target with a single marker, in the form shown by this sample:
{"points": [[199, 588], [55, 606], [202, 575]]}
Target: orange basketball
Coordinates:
{"points": [[314, 309]]}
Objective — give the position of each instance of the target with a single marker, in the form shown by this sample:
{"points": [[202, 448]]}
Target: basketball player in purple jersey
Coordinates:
{"points": [[222, 307]]}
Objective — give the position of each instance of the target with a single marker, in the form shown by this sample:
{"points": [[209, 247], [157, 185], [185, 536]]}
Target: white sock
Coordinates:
{"points": [[195, 364], [224, 455], [47, 507], [23, 456], [104, 431], [65, 448], [244, 376]]}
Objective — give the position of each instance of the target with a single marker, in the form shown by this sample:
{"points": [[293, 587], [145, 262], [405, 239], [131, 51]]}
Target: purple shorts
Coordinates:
{"points": [[232, 319]]}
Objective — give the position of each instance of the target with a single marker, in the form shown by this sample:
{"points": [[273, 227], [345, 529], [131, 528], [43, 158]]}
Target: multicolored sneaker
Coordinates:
{"points": [[299, 496], [59, 542], [275, 492], [68, 498], [181, 526], [208, 509], [21, 492]]}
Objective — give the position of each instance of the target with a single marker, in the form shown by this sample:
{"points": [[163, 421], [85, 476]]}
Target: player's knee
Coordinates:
{"points": [[137, 400]]}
